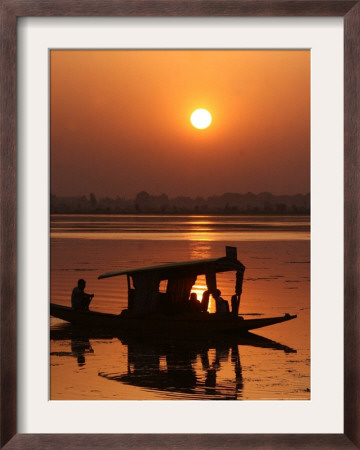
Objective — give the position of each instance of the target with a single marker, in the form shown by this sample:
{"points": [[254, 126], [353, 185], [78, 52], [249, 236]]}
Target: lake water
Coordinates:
{"points": [[276, 253]]}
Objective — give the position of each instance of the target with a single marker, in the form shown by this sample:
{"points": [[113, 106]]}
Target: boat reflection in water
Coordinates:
{"points": [[176, 366], [79, 347], [173, 366]]}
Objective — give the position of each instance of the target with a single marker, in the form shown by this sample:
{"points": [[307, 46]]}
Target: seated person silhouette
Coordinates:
{"points": [[80, 300], [222, 306], [205, 301], [194, 304]]}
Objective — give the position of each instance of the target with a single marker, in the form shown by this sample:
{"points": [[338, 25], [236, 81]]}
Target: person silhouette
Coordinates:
{"points": [[205, 301], [222, 306], [194, 304], [80, 300]]}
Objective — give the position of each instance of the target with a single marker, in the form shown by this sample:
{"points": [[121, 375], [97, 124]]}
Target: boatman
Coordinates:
{"points": [[79, 298]]}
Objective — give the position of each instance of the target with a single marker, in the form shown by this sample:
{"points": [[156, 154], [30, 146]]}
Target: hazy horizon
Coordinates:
{"points": [[152, 194]]}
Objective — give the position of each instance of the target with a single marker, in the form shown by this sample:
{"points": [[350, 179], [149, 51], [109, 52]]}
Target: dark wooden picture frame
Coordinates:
{"points": [[13, 9]]}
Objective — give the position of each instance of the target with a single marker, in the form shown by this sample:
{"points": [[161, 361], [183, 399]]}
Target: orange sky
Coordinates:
{"points": [[120, 122]]}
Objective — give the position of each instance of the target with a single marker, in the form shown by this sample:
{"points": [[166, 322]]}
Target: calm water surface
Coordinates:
{"points": [[275, 365]]}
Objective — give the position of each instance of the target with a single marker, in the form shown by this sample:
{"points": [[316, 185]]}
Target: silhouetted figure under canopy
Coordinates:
{"points": [[222, 306], [205, 301], [194, 304]]}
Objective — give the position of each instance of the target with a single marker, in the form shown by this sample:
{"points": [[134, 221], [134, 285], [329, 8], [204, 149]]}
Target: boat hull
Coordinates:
{"points": [[159, 324]]}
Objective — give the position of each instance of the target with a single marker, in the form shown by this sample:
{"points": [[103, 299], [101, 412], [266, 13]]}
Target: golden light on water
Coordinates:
{"points": [[277, 281]]}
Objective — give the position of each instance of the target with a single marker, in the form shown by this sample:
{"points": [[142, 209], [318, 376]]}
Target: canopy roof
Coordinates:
{"points": [[198, 267]]}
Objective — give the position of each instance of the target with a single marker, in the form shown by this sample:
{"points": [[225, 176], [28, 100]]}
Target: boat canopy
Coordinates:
{"points": [[144, 294], [197, 267]]}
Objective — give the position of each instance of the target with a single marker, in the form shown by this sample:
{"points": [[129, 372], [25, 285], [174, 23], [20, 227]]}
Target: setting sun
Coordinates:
{"points": [[200, 118]]}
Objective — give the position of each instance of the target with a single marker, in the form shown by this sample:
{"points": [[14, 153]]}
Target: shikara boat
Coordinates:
{"points": [[166, 313]]}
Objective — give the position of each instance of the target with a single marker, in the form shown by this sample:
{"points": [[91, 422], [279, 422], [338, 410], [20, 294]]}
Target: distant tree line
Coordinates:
{"points": [[144, 203]]}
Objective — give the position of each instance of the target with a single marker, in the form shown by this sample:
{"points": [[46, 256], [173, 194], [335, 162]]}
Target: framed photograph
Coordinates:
{"points": [[177, 149]]}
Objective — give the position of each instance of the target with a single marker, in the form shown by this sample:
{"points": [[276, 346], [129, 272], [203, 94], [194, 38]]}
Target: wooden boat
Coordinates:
{"points": [[67, 331], [166, 313], [163, 323]]}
